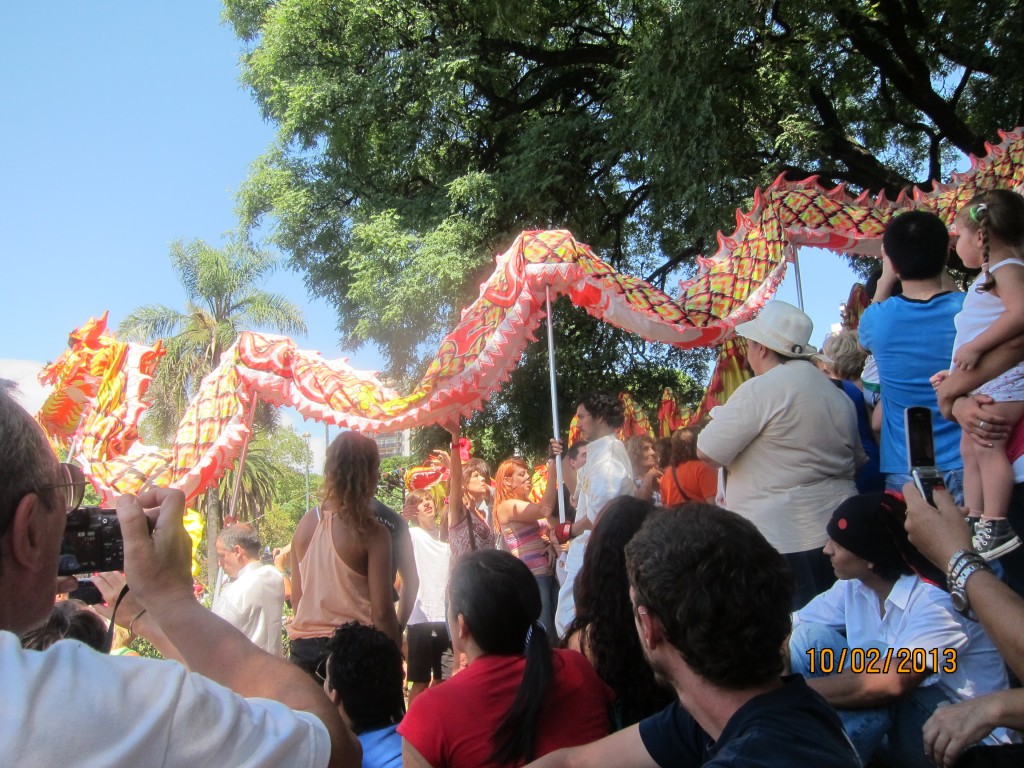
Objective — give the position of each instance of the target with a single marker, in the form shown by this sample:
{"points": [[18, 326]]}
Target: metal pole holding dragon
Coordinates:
{"points": [[554, 402]]}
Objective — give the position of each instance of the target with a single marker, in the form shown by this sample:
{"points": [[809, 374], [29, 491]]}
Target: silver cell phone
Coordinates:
{"points": [[917, 422]]}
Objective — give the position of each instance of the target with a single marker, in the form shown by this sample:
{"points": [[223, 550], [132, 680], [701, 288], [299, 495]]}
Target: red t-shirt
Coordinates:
{"points": [[698, 480], [452, 725]]}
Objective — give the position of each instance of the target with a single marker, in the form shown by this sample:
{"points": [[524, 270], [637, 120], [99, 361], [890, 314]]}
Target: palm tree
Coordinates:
{"points": [[222, 298], [260, 477]]}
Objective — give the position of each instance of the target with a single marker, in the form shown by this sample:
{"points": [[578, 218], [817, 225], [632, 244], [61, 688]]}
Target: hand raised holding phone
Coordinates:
{"points": [[917, 422]]}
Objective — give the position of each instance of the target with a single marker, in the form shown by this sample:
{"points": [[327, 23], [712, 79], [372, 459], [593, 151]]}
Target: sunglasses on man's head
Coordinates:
{"points": [[72, 484]]}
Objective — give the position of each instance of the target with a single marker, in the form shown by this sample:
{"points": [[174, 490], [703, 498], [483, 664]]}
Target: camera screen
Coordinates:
{"points": [[92, 542]]}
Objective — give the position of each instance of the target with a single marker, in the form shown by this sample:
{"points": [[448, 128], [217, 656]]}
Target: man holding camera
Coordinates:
{"points": [[234, 704]]}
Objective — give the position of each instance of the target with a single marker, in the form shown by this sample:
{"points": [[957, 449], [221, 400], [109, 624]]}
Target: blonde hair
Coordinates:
{"points": [[635, 448], [846, 353]]}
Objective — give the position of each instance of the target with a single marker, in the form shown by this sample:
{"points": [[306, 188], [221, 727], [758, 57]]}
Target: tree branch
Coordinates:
{"points": [[903, 67], [575, 81], [864, 168], [582, 53], [961, 86], [660, 275]]}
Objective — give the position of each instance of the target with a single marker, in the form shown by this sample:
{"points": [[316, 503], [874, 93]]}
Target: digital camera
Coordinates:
{"points": [[92, 542]]}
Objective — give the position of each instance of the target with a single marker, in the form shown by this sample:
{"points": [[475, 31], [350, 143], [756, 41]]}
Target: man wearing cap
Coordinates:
{"points": [[884, 646], [787, 440]]}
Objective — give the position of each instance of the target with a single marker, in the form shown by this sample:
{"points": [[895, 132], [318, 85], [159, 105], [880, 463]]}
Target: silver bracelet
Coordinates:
{"points": [[958, 562]]}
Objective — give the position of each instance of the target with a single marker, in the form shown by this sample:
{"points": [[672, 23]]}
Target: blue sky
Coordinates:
{"points": [[124, 127]]}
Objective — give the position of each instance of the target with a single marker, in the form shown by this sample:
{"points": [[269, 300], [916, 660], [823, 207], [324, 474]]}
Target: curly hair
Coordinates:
{"points": [[846, 353], [365, 668], [635, 447], [605, 406], [351, 472], [721, 591], [604, 613]]}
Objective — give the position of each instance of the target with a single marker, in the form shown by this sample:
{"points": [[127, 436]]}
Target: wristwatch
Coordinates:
{"points": [[962, 566]]}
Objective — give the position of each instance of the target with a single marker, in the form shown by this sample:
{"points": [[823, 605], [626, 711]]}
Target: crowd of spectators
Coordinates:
{"points": [[770, 587]]}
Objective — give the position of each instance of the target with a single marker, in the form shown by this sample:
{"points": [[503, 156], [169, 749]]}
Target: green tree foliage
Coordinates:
{"points": [[259, 482], [416, 137], [392, 480], [222, 298], [289, 453]]}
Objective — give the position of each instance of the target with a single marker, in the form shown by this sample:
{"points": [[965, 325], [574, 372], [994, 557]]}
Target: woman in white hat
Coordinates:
{"points": [[788, 442]]}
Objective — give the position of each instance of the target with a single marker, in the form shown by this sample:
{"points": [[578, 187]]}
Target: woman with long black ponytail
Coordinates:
{"points": [[517, 699]]}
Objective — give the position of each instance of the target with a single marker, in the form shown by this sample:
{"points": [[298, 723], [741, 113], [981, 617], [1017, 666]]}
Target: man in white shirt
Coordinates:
{"points": [[253, 598], [608, 473], [883, 646], [788, 441], [233, 704]]}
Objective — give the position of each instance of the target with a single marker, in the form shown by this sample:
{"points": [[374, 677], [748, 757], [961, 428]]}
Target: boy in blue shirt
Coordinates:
{"points": [[909, 335]]}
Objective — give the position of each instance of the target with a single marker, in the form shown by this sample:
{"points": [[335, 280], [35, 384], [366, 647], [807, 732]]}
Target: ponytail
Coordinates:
{"points": [[515, 739], [499, 600]]}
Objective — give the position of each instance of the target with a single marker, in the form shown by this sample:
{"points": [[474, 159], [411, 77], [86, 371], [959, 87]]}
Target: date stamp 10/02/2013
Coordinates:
{"points": [[826, 661]]}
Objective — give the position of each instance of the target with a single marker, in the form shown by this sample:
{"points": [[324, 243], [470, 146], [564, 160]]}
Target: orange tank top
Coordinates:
{"points": [[332, 593]]}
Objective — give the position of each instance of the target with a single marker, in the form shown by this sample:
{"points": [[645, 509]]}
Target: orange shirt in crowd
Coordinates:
{"points": [[697, 480]]}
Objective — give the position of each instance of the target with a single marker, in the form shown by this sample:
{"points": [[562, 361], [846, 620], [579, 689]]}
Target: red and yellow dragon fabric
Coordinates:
{"points": [[100, 382]]}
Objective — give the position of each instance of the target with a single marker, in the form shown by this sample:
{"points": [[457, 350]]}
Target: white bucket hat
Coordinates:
{"points": [[781, 327]]}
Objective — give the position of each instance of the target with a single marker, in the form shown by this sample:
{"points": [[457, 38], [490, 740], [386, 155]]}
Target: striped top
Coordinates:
{"points": [[528, 542]]}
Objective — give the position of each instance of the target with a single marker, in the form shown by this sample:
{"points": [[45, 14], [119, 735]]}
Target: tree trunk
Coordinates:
{"points": [[212, 529]]}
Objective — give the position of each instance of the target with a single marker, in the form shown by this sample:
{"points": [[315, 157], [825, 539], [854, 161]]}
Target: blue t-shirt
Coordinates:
{"points": [[912, 340], [792, 727], [382, 748]]}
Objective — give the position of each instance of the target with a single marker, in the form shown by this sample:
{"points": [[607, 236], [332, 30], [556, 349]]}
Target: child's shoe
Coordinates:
{"points": [[994, 538]]}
